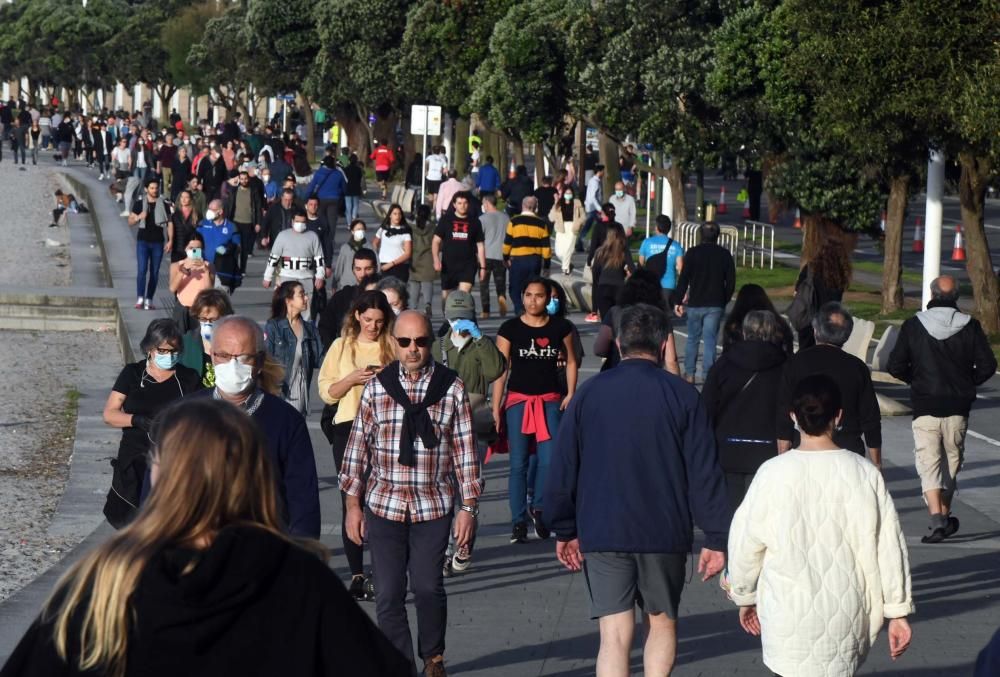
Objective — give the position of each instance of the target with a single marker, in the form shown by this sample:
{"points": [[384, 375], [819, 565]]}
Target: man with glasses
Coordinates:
{"points": [[238, 351], [413, 430]]}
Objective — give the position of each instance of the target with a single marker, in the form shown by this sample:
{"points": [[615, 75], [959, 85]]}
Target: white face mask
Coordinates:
{"points": [[299, 226], [265, 177], [206, 330], [233, 377], [210, 214], [358, 235], [459, 341]]}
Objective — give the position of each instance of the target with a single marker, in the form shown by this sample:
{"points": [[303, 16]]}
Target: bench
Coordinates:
{"points": [[381, 207]]}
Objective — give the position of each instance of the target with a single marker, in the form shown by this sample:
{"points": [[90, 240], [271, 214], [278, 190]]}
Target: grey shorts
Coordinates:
{"points": [[617, 581]]}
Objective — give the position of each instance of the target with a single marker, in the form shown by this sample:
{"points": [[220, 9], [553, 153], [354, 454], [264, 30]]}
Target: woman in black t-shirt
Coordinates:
{"points": [[534, 345], [142, 390]]}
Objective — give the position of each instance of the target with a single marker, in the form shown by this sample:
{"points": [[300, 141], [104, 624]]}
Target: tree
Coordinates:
{"points": [[228, 61], [353, 76], [178, 36], [144, 25]]}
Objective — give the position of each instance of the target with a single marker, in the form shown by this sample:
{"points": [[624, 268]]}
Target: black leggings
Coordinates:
{"points": [[354, 552]]}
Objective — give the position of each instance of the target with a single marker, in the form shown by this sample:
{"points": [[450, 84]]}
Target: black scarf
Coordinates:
{"points": [[416, 420], [941, 303]]}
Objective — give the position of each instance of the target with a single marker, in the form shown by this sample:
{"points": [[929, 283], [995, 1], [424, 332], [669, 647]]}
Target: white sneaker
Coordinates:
{"points": [[462, 559], [124, 213], [100, 177], [146, 304]]}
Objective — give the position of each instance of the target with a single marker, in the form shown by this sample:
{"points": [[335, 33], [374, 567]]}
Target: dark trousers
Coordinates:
{"points": [[417, 549], [355, 553], [737, 485], [331, 210], [605, 296], [498, 271], [247, 237], [522, 269]]}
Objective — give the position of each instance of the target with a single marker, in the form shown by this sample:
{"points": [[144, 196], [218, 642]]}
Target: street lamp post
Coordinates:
{"points": [[932, 217]]}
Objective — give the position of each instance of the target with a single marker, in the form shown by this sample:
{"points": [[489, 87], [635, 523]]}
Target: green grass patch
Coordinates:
{"points": [[909, 276], [768, 278], [788, 246]]}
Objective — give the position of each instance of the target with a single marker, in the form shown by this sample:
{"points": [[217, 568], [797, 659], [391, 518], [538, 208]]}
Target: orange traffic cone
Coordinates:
{"points": [[798, 218], [958, 249], [746, 208], [722, 208], [918, 238]]}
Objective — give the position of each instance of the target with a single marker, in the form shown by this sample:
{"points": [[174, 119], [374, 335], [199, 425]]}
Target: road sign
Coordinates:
{"points": [[425, 120], [286, 97]]}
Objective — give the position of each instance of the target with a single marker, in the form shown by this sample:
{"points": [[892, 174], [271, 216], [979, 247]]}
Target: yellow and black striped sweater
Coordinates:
{"points": [[527, 235]]}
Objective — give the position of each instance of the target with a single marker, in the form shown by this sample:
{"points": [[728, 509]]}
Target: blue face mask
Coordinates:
{"points": [[166, 362], [552, 307], [194, 253]]}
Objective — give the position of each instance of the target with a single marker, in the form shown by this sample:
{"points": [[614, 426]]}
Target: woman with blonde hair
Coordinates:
{"points": [[205, 581], [364, 347]]}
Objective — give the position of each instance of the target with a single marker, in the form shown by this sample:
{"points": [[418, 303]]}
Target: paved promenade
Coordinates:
{"points": [[516, 612]]}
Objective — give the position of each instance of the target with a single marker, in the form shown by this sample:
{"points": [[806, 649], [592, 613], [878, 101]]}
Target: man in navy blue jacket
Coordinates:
{"points": [[635, 463]]}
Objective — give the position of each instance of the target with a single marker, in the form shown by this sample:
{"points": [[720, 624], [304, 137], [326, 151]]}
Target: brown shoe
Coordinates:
{"points": [[502, 302], [435, 667], [485, 315]]}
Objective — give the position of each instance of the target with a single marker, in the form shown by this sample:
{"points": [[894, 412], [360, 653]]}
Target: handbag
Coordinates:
{"points": [[800, 311]]}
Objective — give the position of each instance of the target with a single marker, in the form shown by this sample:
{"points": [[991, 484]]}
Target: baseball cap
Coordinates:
{"points": [[460, 306]]}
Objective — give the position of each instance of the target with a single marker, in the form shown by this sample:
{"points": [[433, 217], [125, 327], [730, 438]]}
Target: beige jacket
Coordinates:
{"points": [[579, 216]]}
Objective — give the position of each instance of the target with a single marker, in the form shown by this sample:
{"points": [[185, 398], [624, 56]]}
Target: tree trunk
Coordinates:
{"points": [[675, 177], [462, 146], [518, 151], [581, 151], [976, 173], [607, 151], [306, 105], [539, 164], [892, 268]]}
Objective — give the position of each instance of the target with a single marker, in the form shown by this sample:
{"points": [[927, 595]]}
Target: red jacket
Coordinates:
{"points": [[383, 157]]}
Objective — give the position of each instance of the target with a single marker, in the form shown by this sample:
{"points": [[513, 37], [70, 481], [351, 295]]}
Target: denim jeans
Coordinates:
{"points": [[351, 203], [140, 173], [148, 255], [519, 457], [701, 322]]}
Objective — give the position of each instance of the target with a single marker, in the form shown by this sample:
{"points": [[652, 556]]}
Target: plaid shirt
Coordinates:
{"points": [[425, 491]]}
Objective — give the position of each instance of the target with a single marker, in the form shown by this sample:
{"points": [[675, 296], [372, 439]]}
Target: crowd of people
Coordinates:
{"points": [[215, 490]]}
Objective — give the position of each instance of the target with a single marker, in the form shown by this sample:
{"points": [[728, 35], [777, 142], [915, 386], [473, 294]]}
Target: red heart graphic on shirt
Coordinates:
{"points": [[542, 342]]}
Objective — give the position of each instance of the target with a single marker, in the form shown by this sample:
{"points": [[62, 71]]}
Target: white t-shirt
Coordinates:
{"points": [[390, 248], [120, 156], [435, 167]]}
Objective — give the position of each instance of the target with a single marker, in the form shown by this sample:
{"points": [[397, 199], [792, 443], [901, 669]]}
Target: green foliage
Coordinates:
{"points": [[521, 85], [359, 45], [286, 35], [178, 35], [443, 45], [224, 56]]}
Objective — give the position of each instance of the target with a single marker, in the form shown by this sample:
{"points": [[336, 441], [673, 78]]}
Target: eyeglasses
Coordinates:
{"points": [[246, 358], [166, 351], [421, 341]]}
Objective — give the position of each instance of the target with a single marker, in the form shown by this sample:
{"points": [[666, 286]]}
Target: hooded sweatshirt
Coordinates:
{"points": [[943, 354], [253, 604], [740, 396]]}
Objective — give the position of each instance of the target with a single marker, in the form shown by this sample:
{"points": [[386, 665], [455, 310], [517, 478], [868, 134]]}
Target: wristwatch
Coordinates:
{"points": [[474, 509]]}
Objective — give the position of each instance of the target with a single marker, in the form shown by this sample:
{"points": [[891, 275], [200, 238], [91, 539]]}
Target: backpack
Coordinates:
{"points": [[657, 263]]}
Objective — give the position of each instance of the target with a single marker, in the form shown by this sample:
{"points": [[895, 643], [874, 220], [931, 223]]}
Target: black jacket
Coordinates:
{"points": [[254, 604], [710, 272], [852, 376], [332, 318], [943, 354], [742, 410], [276, 220], [256, 204]]}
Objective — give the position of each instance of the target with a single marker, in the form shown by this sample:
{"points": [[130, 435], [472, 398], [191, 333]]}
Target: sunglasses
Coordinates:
{"points": [[421, 341]]}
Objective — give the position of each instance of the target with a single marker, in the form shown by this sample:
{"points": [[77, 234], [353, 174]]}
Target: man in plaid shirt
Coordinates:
{"points": [[413, 430]]}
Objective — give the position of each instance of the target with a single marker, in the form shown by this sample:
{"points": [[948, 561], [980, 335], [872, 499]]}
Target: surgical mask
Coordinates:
{"points": [[210, 214], [619, 193], [265, 177], [233, 377], [459, 341], [299, 226], [168, 361], [358, 235], [194, 253], [552, 307], [206, 330], [568, 197]]}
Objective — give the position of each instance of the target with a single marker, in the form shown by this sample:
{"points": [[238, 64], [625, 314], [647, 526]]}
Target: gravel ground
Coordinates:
{"points": [[27, 202], [37, 424]]}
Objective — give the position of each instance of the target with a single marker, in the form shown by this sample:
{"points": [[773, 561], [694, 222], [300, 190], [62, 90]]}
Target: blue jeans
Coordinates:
{"points": [[589, 223], [140, 173], [351, 203], [701, 322], [522, 269], [148, 255], [519, 457]]}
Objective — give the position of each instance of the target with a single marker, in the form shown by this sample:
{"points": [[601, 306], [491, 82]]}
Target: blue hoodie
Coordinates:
{"points": [[327, 184], [635, 462]]}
